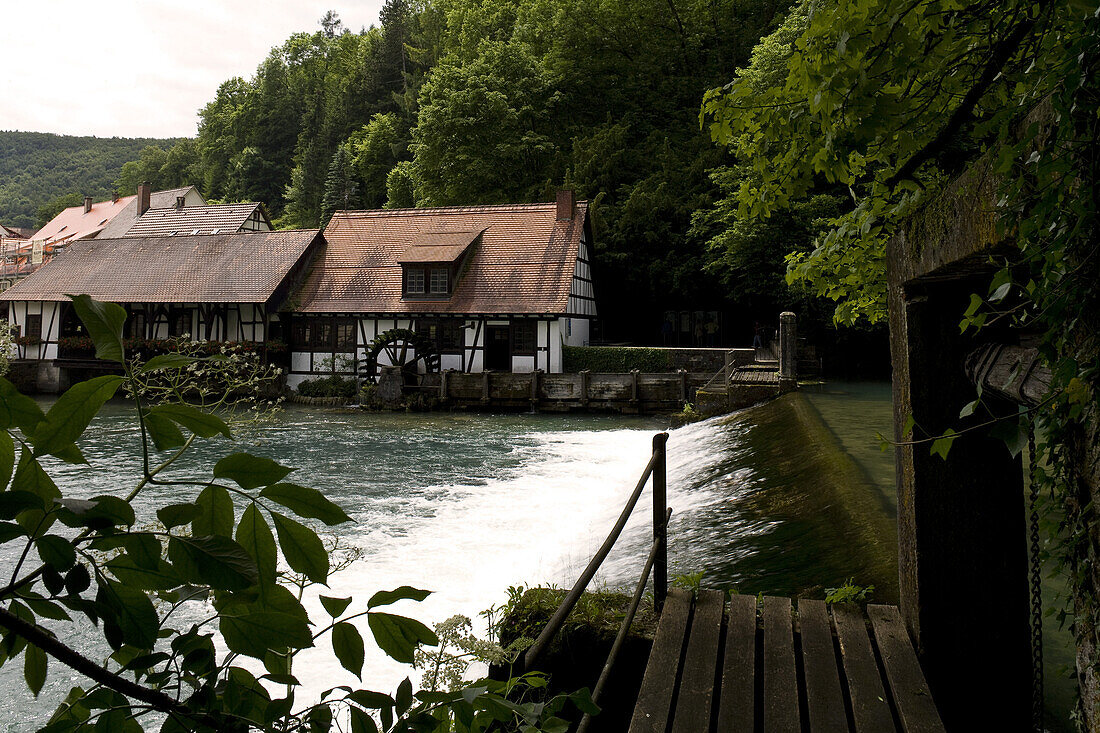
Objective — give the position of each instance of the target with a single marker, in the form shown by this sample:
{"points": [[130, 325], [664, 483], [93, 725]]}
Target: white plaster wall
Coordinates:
{"points": [[523, 364], [555, 347], [477, 361], [575, 331], [450, 361]]}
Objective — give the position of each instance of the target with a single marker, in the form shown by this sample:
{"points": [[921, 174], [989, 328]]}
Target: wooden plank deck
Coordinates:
{"points": [[719, 667]]}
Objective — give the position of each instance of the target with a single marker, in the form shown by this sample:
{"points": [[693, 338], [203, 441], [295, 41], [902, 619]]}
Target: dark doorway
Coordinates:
{"points": [[498, 351]]}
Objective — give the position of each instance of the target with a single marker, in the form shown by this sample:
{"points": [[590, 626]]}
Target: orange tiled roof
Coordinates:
{"points": [[72, 223], [523, 262]]}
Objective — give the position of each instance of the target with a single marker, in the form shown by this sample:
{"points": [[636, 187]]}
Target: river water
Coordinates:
{"points": [[789, 498]]}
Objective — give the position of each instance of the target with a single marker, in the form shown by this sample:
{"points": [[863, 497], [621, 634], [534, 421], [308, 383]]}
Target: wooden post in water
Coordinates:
{"points": [[585, 378], [660, 530], [788, 351]]}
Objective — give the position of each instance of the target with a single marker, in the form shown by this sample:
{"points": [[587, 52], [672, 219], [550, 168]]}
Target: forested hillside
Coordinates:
{"points": [[485, 101], [37, 167]]}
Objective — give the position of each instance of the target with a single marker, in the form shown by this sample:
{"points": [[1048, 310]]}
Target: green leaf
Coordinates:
{"points": [[57, 552], [399, 636], [968, 408], [7, 458], [34, 669], [167, 361], [386, 597], [202, 424], [48, 609], [306, 502], [70, 415], [18, 410], [132, 611], [1000, 293], [582, 698], [104, 323], [12, 503], [77, 580], [303, 550], [320, 719], [255, 537], [163, 431], [213, 560], [335, 606], [249, 471], [372, 700], [255, 633], [175, 515], [404, 696], [144, 549], [161, 577], [362, 722], [98, 512], [942, 445], [214, 513], [9, 531], [348, 646]]}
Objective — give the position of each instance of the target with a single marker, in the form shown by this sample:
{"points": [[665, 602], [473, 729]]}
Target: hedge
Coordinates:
{"points": [[333, 386], [614, 359]]}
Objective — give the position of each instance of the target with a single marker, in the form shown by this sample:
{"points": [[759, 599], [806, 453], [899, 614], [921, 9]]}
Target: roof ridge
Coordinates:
{"points": [[201, 234], [453, 209], [252, 204]]}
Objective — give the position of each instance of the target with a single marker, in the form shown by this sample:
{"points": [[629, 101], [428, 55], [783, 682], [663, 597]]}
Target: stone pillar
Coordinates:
{"points": [[391, 385], [962, 558], [788, 351]]}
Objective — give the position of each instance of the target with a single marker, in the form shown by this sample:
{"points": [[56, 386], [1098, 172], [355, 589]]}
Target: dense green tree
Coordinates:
{"points": [[341, 190], [145, 168], [401, 186], [37, 167], [376, 148], [481, 134]]}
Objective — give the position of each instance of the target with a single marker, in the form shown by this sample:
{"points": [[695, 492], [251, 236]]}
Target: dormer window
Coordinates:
{"points": [[440, 281], [414, 281], [432, 264]]}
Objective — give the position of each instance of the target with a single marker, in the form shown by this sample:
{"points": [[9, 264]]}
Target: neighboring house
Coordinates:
{"points": [[224, 287], [15, 232], [204, 219], [483, 287], [102, 219]]}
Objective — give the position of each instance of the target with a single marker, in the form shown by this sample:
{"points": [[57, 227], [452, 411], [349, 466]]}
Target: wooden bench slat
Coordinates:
{"points": [[870, 710], [736, 697], [651, 712], [913, 698], [780, 681], [693, 703], [824, 699]]}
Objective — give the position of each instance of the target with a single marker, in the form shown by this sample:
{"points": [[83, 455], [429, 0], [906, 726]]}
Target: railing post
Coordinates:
{"points": [[660, 533]]}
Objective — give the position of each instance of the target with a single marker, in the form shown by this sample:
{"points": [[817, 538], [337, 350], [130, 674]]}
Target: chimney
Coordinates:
{"points": [[114, 197], [143, 197], [567, 204], [179, 202], [87, 204]]}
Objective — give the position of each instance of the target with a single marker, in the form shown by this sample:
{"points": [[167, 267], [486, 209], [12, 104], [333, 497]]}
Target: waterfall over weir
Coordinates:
{"points": [[467, 505]]}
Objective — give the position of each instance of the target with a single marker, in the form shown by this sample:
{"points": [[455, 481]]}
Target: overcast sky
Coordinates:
{"points": [[129, 68]]}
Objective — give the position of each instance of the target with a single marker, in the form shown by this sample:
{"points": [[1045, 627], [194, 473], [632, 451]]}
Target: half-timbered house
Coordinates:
{"points": [[470, 288], [224, 287]]}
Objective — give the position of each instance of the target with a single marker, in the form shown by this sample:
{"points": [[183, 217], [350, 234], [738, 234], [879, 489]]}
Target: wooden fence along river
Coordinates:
{"points": [[633, 392]]}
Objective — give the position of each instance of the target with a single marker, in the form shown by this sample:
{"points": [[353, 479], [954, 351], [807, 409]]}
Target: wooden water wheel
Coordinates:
{"points": [[402, 348]]}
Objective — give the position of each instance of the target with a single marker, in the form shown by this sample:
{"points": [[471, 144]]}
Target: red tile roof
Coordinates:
{"points": [[523, 262], [223, 268], [72, 223]]}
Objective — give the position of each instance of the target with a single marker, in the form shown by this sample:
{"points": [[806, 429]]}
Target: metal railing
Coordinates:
{"points": [[656, 561]]}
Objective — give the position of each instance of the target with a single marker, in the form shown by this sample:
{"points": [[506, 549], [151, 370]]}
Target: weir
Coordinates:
{"points": [[751, 664]]}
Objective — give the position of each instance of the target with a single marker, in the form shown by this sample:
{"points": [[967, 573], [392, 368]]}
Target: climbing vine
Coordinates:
{"points": [[893, 101]]}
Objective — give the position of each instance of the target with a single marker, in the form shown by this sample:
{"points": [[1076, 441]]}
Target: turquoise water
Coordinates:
{"points": [[467, 505]]}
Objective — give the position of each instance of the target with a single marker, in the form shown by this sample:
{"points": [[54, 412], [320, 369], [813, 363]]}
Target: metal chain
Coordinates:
{"points": [[1036, 587]]}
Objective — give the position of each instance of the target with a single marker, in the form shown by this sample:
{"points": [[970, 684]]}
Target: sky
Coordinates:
{"points": [[129, 68]]}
